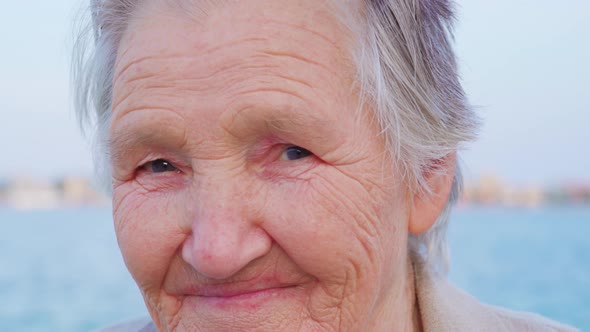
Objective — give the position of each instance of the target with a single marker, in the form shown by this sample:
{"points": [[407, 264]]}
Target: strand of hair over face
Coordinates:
{"points": [[406, 73]]}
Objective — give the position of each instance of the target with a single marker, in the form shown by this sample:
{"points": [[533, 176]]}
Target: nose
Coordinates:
{"points": [[225, 236]]}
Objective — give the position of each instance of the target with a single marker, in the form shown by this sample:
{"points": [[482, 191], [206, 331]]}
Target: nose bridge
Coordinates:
{"points": [[224, 237], [216, 191]]}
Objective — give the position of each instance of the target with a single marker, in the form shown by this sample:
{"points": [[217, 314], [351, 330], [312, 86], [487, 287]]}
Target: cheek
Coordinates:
{"points": [[147, 232], [334, 228]]}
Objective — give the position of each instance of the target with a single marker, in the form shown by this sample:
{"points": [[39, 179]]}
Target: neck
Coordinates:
{"points": [[400, 311]]}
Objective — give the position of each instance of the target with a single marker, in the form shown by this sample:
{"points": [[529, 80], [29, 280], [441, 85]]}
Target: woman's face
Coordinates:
{"points": [[249, 191]]}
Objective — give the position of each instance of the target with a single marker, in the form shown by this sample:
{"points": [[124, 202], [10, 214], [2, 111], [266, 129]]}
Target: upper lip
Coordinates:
{"points": [[183, 280]]}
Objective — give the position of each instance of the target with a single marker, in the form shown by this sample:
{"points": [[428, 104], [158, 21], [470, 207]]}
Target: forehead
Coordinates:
{"points": [[222, 58]]}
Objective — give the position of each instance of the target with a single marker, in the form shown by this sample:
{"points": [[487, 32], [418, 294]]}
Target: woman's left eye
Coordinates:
{"points": [[159, 166], [294, 153]]}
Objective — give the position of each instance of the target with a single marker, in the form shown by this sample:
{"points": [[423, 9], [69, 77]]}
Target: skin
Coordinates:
{"points": [[234, 235]]}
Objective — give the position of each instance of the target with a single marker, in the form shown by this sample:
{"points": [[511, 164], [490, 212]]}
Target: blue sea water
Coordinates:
{"points": [[60, 270]]}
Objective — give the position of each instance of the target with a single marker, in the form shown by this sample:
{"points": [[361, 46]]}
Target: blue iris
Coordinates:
{"points": [[295, 152], [161, 166]]}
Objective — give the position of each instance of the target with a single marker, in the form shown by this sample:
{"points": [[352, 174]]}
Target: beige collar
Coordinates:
{"points": [[443, 307]]}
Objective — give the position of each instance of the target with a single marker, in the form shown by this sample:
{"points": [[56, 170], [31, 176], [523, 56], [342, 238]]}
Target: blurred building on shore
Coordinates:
{"points": [[78, 191], [33, 193], [27, 193], [489, 190], [492, 190]]}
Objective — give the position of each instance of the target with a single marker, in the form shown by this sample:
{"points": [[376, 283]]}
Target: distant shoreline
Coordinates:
{"points": [[25, 193]]}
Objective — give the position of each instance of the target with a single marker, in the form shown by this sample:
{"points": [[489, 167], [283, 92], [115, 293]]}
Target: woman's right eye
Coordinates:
{"points": [[159, 166]]}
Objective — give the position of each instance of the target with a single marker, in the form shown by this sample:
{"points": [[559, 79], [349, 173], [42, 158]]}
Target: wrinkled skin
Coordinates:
{"points": [[223, 223]]}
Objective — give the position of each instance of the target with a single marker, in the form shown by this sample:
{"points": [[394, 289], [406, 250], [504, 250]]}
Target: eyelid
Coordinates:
{"points": [[290, 147], [180, 165], [161, 181], [150, 164]]}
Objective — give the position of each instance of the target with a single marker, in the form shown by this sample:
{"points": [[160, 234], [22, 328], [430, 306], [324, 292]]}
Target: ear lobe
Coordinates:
{"points": [[425, 206]]}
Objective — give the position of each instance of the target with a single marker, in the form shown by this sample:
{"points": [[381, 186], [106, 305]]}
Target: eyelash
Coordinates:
{"points": [[170, 178], [163, 163], [299, 152], [162, 166]]}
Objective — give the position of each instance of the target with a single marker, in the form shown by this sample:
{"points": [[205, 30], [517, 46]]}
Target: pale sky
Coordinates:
{"points": [[525, 64]]}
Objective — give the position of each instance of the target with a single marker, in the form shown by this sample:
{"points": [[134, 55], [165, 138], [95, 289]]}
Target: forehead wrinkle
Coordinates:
{"points": [[264, 23], [285, 54], [255, 91], [265, 53], [131, 85], [293, 79], [120, 73], [318, 34], [195, 10], [195, 84], [202, 54], [235, 64], [143, 72], [127, 104], [173, 56], [123, 66]]}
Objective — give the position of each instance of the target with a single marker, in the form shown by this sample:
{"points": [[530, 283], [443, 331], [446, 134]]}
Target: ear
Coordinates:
{"points": [[425, 206]]}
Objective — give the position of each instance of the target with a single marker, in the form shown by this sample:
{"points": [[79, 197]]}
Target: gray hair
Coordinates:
{"points": [[406, 73]]}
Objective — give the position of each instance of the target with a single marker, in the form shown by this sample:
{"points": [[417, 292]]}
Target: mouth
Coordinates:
{"points": [[252, 288], [248, 298], [238, 292]]}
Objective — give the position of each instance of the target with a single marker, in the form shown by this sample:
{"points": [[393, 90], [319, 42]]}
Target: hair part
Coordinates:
{"points": [[406, 73]]}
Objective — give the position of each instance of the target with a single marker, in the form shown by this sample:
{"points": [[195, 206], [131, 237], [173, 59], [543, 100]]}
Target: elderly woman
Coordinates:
{"points": [[284, 165]]}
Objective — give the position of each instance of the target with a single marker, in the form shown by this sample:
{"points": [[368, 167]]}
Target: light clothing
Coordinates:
{"points": [[443, 308]]}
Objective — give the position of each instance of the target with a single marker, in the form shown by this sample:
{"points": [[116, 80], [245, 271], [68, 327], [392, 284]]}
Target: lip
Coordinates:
{"points": [[231, 291], [242, 295], [223, 298]]}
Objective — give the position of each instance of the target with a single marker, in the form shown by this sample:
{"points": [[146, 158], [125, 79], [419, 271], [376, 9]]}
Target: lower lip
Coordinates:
{"points": [[251, 300]]}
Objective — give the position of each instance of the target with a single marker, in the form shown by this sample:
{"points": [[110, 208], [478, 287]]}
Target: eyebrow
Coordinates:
{"points": [[277, 120], [128, 140], [124, 141]]}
